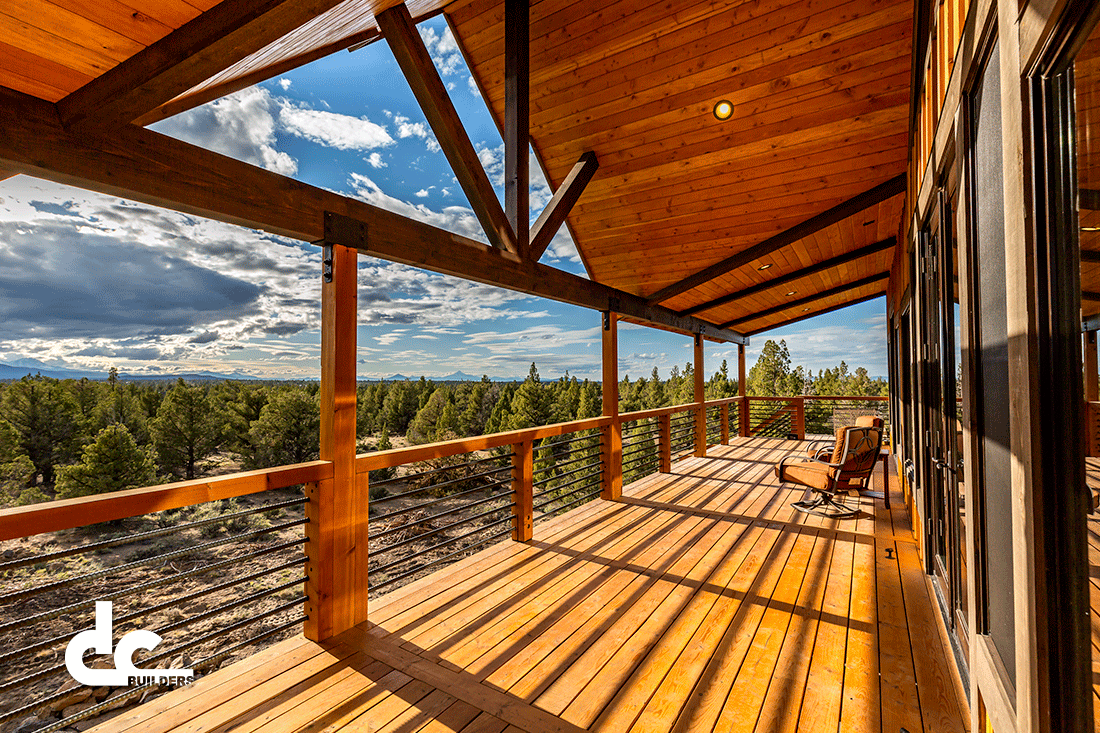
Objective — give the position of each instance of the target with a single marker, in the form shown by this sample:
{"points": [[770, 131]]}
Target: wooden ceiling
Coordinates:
{"points": [[821, 95], [820, 90]]}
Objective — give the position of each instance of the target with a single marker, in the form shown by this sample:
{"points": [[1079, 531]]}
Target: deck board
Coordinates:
{"points": [[701, 601]]}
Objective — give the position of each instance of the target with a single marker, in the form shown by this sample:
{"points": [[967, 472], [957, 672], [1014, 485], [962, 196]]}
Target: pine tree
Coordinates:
{"points": [[45, 417], [185, 429], [16, 470], [119, 405], [112, 462], [529, 407], [288, 430]]}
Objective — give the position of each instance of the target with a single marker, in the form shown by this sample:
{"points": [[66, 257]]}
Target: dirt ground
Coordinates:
{"points": [[206, 613]]}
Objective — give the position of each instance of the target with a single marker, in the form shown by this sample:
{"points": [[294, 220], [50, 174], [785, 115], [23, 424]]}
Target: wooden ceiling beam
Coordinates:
{"points": [[553, 216], [196, 97], [517, 120], [814, 314], [200, 49], [814, 224], [808, 300], [814, 269], [145, 166], [416, 64]]}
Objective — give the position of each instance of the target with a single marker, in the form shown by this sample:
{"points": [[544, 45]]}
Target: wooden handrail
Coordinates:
{"points": [[626, 417], [366, 462], [53, 516]]}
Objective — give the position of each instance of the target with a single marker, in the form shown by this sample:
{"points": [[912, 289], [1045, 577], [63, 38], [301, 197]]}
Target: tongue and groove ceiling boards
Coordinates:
{"points": [[785, 210], [820, 92]]}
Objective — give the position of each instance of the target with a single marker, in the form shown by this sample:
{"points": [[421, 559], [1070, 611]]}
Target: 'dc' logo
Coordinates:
{"points": [[101, 639]]}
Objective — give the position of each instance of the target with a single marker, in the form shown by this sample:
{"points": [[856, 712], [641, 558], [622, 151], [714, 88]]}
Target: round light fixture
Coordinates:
{"points": [[805, 309], [791, 293], [763, 267], [723, 109]]}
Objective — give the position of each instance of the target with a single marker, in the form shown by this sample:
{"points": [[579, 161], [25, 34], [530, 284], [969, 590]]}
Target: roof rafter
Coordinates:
{"points": [[553, 215], [203, 47], [814, 224], [813, 269], [808, 300], [156, 169], [416, 64], [517, 120]]}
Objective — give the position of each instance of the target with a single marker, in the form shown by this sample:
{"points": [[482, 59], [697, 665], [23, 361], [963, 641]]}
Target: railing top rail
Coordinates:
{"points": [[54, 516], [366, 462], [851, 398], [656, 412]]}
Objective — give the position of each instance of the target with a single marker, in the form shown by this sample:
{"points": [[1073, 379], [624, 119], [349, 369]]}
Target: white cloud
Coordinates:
{"points": [[425, 336], [284, 83], [375, 160], [443, 49], [473, 86], [406, 129], [422, 193], [492, 160], [458, 219], [331, 129], [241, 125]]}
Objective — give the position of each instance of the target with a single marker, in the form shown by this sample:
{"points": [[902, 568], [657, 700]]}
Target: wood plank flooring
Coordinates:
{"points": [[701, 601]]}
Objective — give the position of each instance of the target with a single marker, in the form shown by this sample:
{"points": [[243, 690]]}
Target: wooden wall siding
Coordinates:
{"points": [[949, 19], [820, 91]]}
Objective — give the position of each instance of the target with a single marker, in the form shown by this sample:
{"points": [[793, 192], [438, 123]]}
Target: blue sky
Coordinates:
{"points": [[91, 281]]}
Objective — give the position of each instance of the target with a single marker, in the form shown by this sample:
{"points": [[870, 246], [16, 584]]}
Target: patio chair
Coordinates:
{"points": [[825, 452], [849, 467]]}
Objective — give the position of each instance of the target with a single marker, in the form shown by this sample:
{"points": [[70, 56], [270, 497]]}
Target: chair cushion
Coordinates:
{"points": [[807, 473], [869, 421]]}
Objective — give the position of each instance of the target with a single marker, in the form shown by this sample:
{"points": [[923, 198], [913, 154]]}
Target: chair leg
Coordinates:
{"points": [[824, 505]]}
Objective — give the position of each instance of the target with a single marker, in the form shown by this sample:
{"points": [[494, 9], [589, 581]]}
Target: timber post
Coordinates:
{"points": [[700, 400], [523, 474], [336, 535], [612, 442], [741, 387]]}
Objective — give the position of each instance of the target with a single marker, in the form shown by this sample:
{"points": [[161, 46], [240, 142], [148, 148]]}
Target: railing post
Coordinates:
{"points": [[700, 401], [336, 535], [724, 417], [523, 476], [612, 435], [1092, 374], [665, 445], [742, 391], [798, 420]]}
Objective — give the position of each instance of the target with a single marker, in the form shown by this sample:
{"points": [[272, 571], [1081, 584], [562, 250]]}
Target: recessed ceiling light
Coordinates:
{"points": [[763, 267], [805, 309], [791, 293], [1090, 229], [723, 109]]}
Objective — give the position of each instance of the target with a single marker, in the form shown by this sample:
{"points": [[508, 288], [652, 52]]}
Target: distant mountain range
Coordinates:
{"points": [[31, 367]]}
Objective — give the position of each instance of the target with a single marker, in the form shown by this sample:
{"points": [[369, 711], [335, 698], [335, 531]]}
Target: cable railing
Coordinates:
{"points": [[216, 580], [641, 448], [219, 567]]}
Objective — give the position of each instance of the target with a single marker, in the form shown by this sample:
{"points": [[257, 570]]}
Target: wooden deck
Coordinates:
{"points": [[701, 601]]}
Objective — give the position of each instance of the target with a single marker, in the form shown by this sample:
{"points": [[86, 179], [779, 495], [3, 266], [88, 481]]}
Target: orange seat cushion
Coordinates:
{"points": [[807, 473]]}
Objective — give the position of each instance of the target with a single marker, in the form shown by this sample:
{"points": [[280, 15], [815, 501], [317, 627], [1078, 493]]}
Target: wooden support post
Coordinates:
{"points": [[1092, 375], [613, 433], [523, 476], [517, 106], [665, 449], [725, 418], [700, 400], [742, 384], [336, 534], [798, 419]]}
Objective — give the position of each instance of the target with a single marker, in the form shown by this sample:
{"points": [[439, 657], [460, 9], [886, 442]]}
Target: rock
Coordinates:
{"points": [[77, 708], [101, 693], [117, 700], [29, 725], [77, 693], [90, 723], [9, 554]]}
